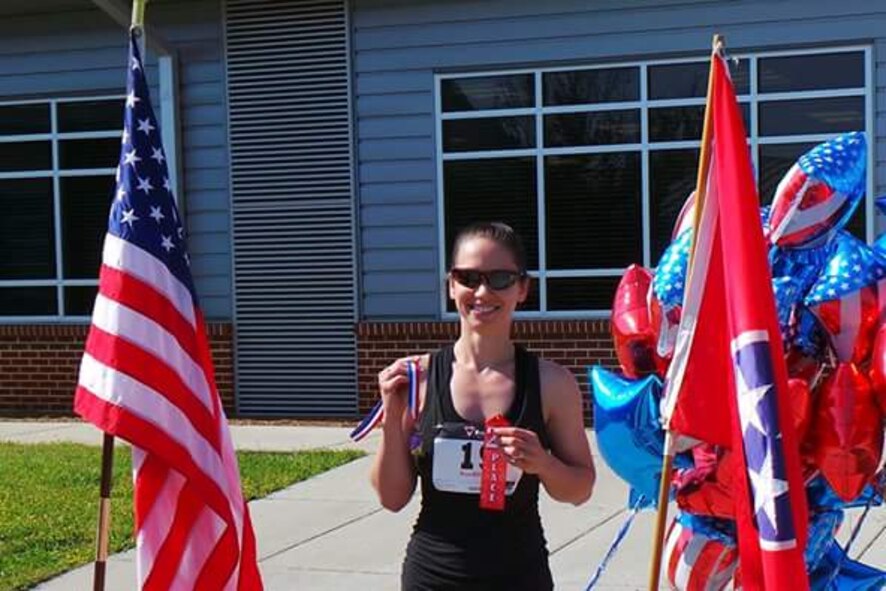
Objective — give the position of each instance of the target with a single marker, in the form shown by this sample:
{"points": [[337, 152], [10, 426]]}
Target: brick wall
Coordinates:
{"points": [[572, 343], [39, 363]]}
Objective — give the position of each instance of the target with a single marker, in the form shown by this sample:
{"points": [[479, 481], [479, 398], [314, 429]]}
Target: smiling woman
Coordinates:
{"points": [[489, 409]]}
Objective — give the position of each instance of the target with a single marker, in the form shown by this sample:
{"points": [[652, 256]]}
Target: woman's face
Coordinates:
{"points": [[483, 306]]}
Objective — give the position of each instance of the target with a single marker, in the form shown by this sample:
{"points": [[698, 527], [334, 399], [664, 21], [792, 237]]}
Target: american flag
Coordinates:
{"points": [[147, 377], [820, 192]]}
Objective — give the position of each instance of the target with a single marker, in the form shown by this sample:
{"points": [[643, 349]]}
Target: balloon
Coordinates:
{"points": [[801, 403], [878, 368], [788, 294], [820, 535], [628, 428], [844, 298], [670, 274], [634, 324], [809, 337], [686, 217], [846, 436], [819, 193], [852, 576], [708, 491], [821, 496], [700, 553], [803, 264]]}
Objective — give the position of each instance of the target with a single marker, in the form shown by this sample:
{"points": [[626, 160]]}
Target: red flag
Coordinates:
{"points": [[147, 377], [732, 386]]}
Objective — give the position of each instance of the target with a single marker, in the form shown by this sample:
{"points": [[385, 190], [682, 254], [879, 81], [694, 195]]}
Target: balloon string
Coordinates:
{"points": [[855, 530], [613, 547]]}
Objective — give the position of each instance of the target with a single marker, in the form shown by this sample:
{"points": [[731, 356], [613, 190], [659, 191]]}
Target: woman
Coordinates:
{"points": [[455, 544]]}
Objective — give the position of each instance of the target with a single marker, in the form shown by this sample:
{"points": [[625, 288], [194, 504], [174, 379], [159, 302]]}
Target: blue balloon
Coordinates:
{"points": [[851, 266], [670, 274], [803, 264], [821, 496], [851, 576], [788, 295], [822, 527], [628, 427]]}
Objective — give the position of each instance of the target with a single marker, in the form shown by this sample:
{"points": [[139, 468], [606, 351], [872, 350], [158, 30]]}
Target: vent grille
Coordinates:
{"points": [[292, 207]]}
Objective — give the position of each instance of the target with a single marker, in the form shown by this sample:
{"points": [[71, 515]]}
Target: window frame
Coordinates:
{"points": [[56, 174], [753, 98]]}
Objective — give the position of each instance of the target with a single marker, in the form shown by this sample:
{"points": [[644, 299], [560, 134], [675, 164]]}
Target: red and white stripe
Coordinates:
{"points": [[696, 562], [147, 377]]}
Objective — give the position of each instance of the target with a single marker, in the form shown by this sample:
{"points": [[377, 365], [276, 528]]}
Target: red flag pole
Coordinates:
{"points": [[667, 460], [104, 514]]}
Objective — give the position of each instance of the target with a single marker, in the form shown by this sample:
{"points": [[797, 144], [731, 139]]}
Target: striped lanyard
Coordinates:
{"points": [[375, 416]]}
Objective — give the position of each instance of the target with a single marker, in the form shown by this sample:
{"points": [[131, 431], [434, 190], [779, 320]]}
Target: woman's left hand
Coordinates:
{"points": [[523, 449]]}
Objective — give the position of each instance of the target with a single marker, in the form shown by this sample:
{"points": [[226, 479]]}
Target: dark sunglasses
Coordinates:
{"points": [[497, 280]]}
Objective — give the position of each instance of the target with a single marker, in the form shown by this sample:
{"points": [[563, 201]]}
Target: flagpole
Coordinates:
{"points": [[667, 460], [104, 514]]}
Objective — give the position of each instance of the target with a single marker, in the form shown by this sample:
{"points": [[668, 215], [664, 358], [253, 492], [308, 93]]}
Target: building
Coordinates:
{"points": [[325, 150]]}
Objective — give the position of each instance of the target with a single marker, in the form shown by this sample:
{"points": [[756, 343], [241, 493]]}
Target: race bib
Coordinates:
{"points": [[457, 465]]}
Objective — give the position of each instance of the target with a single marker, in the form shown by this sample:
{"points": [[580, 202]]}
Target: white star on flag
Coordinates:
{"points": [[145, 126], [748, 403], [767, 487], [129, 217], [131, 99], [144, 185], [166, 243], [156, 213], [125, 138], [166, 184], [157, 154], [121, 193], [131, 158]]}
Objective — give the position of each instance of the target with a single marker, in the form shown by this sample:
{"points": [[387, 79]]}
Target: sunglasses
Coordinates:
{"points": [[497, 280]]}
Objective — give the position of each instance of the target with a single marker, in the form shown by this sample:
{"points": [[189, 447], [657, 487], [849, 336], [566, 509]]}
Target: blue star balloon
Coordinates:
{"points": [[628, 427], [820, 192], [670, 274]]}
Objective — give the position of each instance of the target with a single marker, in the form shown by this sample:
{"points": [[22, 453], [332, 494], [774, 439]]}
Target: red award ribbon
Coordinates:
{"points": [[493, 478]]}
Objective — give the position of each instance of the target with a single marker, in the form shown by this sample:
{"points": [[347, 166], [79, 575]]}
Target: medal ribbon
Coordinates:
{"points": [[375, 416], [493, 478]]}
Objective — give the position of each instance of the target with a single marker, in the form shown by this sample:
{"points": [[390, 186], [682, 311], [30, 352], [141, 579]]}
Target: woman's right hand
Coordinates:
{"points": [[393, 384]]}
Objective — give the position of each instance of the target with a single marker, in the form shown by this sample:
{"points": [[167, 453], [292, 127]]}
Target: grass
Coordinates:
{"points": [[49, 501]]}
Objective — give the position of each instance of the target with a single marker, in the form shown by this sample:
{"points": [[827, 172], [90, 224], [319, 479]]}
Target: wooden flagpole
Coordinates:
{"points": [[103, 533], [667, 460], [104, 514]]}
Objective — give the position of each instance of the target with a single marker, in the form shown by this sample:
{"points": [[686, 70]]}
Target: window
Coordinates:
{"points": [[57, 162], [592, 164]]}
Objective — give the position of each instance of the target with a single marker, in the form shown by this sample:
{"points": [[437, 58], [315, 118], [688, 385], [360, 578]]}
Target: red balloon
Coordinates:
{"points": [[801, 366], [846, 436], [634, 322], [709, 490], [878, 368], [798, 390], [850, 323]]}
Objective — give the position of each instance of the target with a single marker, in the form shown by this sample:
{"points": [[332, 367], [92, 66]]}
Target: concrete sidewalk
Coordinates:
{"points": [[330, 533]]}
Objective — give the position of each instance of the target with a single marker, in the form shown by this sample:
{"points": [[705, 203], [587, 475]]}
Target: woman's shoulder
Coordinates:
{"points": [[556, 381]]}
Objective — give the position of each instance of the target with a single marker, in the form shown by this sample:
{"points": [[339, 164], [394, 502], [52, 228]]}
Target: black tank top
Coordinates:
{"points": [[455, 544]]}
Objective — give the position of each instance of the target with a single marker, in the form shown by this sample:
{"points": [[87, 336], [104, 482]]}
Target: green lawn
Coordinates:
{"points": [[49, 500]]}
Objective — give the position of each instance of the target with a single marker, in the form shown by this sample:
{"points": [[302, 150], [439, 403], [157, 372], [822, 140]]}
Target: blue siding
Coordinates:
{"points": [[400, 44], [45, 54]]}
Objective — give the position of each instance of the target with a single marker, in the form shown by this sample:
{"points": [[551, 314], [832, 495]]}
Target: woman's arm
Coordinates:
{"points": [[568, 471], [393, 473]]}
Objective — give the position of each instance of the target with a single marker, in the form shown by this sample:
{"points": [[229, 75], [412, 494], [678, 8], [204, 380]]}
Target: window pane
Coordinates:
{"points": [[85, 203], [492, 133], [93, 153], [672, 178], [28, 301], [27, 237], [811, 72], [830, 115], [588, 129], [21, 156], [79, 300], [530, 305], [580, 87], [581, 293], [487, 92], [593, 210], [21, 119], [669, 81], [775, 160], [668, 124], [495, 189], [90, 115]]}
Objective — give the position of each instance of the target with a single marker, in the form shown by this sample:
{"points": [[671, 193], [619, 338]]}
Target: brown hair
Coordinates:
{"points": [[500, 233]]}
